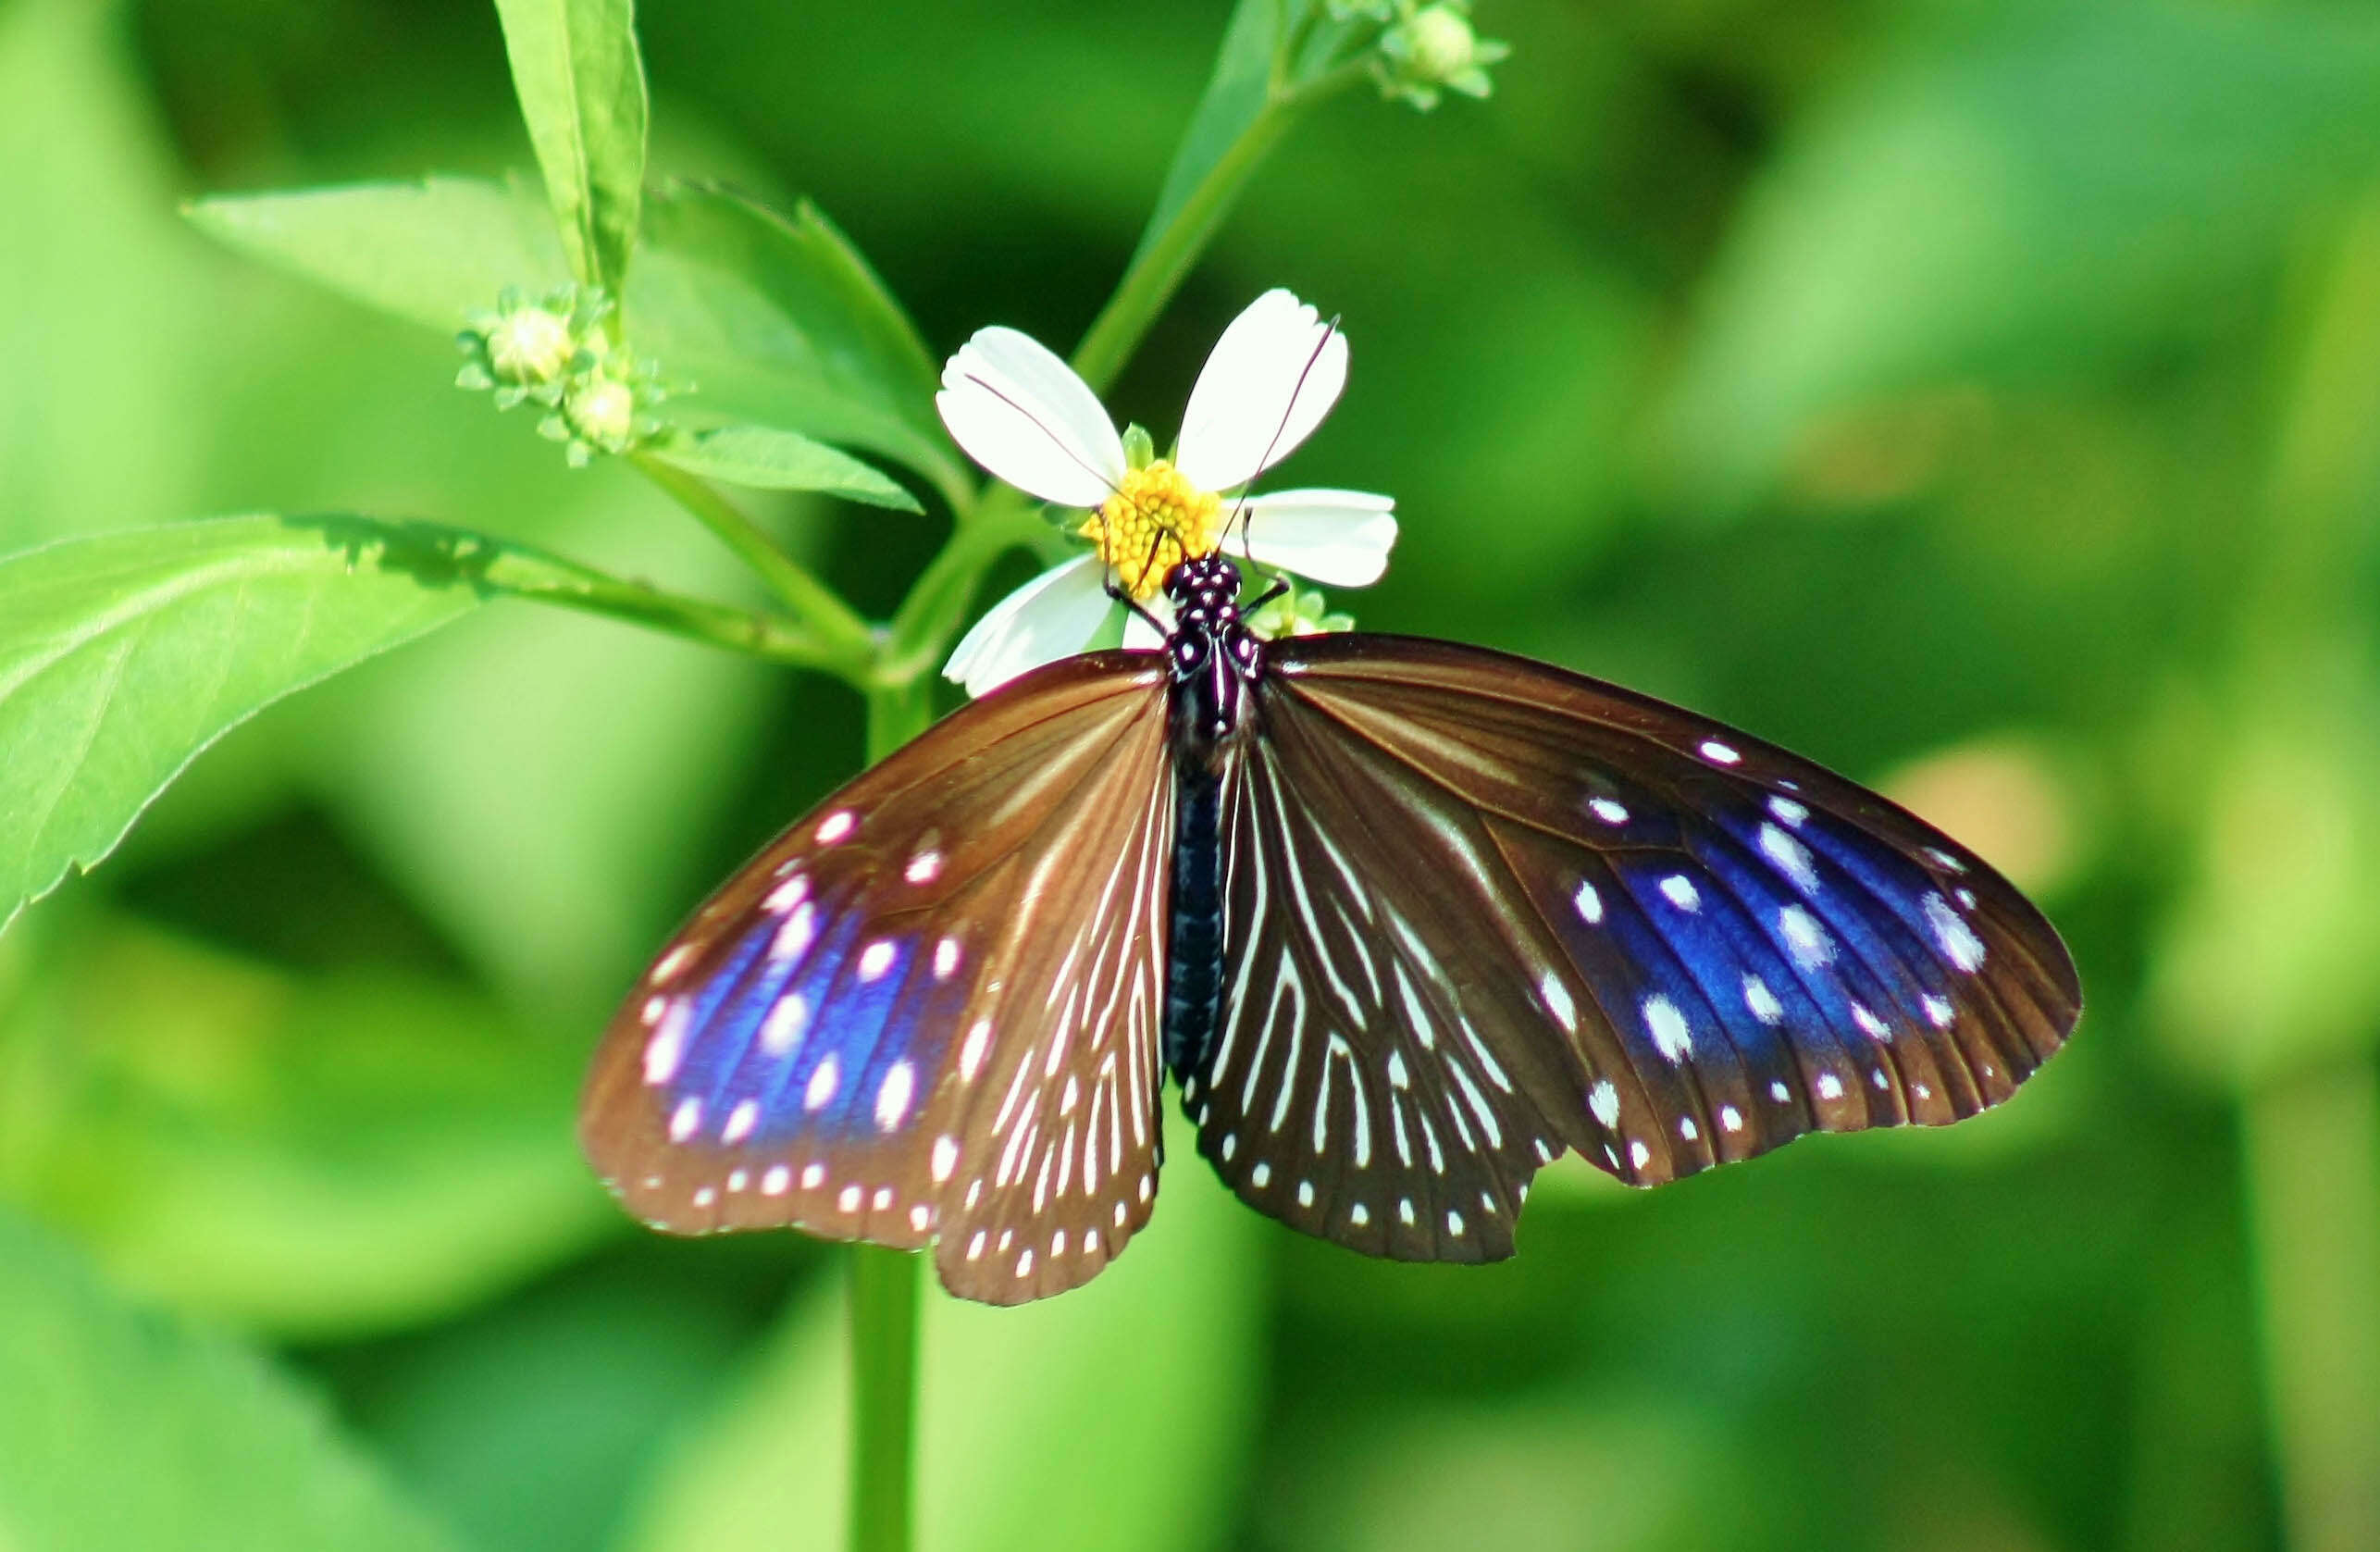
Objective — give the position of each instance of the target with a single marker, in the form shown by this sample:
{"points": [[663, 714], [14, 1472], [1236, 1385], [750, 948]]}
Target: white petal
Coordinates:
{"points": [[1052, 616], [1023, 414], [1338, 537], [1242, 419], [1141, 636]]}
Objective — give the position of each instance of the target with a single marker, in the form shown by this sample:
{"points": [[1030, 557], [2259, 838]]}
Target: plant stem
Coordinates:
{"points": [[2313, 1144], [1158, 270], [811, 601], [938, 600], [884, 1288], [551, 580]]}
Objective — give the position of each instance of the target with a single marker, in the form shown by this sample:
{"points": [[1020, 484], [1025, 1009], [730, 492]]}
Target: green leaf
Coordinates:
{"points": [[109, 323], [581, 83], [1111, 1416], [1238, 93], [319, 1156], [2065, 184], [778, 319], [765, 458], [122, 656], [125, 1429], [434, 252], [1235, 97]]}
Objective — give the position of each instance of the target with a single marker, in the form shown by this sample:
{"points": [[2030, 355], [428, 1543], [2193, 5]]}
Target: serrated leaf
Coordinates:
{"points": [[581, 85], [1114, 1416], [765, 458], [124, 655], [315, 1156], [125, 1429], [433, 252], [778, 319]]}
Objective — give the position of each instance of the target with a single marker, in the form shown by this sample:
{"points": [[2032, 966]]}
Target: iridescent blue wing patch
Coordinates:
{"points": [[1479, 911], [927, 1013]]}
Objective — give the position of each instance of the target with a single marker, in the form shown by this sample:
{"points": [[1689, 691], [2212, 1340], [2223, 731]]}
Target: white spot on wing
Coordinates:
{"points": [[741, 1121], [1608, 810], [1590, 904], [667, 1045], [835, 826], [1557, 1000], [946, 1158], [970, 1055], [1714, 750], [1667, 1028], [685, 1119], [783, 1027], [1681, 892], [774, 1179], [1959, 943], [1761, 1001], [1604, 1100], [892, 1099], [875, 959], [1829, 1086], [1804, 938], [922, 867], [822, 1083], [1792, 858], [945, 959], [1788, 811]]}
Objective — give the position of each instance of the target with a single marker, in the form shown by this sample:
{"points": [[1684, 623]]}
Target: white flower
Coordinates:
{"points": [[1023, 414]]}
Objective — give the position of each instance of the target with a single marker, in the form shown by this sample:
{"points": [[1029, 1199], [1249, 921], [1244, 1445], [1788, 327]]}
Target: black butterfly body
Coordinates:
{"points": [[1404, 919]]}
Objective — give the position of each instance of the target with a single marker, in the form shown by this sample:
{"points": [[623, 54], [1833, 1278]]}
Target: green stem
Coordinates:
{"points": [[812, 602], [2314, 1187], [884, 1287], [519, 571], [1158, 269], [938, 600]]}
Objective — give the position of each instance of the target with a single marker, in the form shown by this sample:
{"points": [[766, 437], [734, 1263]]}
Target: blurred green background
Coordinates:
{"points": [[1977, 397]]}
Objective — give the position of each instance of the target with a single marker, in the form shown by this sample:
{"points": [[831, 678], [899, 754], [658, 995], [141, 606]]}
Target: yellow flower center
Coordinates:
{"points": [[1155, 520]]}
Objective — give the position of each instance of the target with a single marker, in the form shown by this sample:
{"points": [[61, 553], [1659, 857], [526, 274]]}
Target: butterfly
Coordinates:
{"points": [[1404, 920]]}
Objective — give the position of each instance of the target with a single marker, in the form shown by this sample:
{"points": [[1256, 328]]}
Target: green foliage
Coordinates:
{"points": [[316, 1156], [581, 86], [1142, 1382], [763, 458], [121, 658], [126, 1429], [2029, 352], [777, 317], [433, 252]]}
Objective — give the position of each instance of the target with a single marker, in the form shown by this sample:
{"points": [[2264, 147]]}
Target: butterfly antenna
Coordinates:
{"points": [[1240, 509]]}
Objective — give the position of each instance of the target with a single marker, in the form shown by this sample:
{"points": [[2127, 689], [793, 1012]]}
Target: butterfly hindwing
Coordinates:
{"points": [[927, 1012], [1676, 945]]}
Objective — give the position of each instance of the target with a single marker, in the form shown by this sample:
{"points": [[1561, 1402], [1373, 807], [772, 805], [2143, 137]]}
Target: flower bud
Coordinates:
{"points": [[1434, 48], [532, 345]]}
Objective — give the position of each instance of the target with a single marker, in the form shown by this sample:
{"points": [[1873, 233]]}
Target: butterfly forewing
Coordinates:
{"points": [[928, 1011], [1676, 945]]}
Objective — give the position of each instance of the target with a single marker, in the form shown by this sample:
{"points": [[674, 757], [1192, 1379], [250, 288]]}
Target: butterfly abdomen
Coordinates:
{"points": [[1193, 946]]}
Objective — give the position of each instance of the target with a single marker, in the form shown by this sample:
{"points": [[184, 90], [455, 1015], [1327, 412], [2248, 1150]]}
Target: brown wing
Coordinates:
{"points": [[1479, 909], [927, 1013]]}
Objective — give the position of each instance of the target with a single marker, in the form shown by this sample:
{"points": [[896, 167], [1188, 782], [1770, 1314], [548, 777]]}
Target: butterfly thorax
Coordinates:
{"points": [[1214, 662]]}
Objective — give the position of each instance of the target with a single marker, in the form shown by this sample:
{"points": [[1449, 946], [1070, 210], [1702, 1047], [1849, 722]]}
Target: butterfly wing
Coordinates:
{"points": [[1479, 910], [928, 1012]]}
